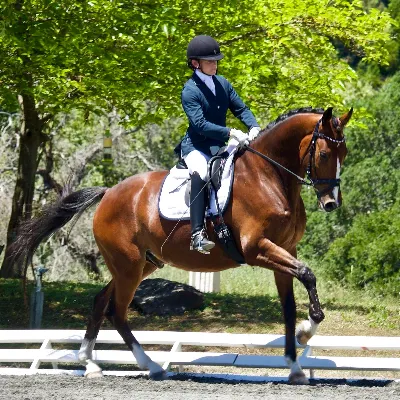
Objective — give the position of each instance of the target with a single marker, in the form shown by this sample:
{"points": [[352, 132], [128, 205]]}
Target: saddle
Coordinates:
{"points": [[214, 177]]}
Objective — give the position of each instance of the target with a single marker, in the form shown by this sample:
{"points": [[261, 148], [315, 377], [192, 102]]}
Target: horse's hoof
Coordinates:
{"points": [[158, 376], [298, 378], [93, 370], [94, 374]]}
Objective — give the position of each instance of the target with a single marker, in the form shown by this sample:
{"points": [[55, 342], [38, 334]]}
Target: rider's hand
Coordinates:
{"points": [[253, 133], [238, 138]]}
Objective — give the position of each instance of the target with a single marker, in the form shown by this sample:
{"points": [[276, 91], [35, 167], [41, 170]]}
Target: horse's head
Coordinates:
{"points": [[323, 157]]}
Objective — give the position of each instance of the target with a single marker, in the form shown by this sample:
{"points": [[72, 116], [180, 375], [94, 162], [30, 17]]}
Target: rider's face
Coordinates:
{"points": [[209, 67]]}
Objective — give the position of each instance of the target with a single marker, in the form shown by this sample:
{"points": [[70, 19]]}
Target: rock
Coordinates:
{"points": [[163, 297]]}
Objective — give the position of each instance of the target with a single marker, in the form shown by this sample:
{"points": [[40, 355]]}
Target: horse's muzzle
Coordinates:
{"points": [[330, 205]]}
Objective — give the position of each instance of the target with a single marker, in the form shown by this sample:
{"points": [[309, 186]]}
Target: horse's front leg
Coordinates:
{"points": [[278, 259], [307, 328], [284, 284], [285, 266]]}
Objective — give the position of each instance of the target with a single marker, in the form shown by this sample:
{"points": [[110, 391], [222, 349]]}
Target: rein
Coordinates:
{"points": [[302, 180], [311, 151]]}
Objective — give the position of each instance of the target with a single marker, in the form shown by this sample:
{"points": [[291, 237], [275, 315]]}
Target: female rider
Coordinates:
{"points": [[206, 98]]}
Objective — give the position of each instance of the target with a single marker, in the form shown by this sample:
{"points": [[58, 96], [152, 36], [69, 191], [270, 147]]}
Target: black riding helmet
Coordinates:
{"points": [[203, 47]]}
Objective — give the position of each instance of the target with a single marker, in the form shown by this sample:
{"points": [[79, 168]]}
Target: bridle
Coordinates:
{"points": [[333, 182], [310, 181]]}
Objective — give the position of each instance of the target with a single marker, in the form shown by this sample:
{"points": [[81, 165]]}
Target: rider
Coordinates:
{"points": [[206, 98]]}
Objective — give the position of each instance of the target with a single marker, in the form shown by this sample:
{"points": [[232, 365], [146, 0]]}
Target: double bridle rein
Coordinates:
{"points": [[310, 181]]}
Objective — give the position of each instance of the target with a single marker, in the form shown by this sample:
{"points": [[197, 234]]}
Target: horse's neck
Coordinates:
{"points": [[282, 144]]}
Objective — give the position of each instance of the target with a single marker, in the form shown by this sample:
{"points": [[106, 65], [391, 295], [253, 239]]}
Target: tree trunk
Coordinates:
{"points": [[30, 142]]}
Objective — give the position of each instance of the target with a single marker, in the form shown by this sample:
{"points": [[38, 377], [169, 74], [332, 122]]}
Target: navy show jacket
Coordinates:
{"points": [[207, 131]]}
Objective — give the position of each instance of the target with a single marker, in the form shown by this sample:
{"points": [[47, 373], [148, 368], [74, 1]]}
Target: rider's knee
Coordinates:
{"points": [[197, 161]]}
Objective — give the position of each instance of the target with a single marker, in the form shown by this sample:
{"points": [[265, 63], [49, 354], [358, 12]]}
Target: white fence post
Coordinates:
{"points": [[206, 282]]}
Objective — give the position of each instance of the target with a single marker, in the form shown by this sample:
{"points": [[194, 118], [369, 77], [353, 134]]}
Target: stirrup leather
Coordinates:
{"points": [[199, 241]]}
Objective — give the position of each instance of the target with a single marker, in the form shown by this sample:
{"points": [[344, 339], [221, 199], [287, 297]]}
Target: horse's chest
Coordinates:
{"points": [[291, 230], [288, 236], [298, 226]]}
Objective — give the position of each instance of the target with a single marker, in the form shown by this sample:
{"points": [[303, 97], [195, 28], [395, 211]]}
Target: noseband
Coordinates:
{"points": [[310, 181]]}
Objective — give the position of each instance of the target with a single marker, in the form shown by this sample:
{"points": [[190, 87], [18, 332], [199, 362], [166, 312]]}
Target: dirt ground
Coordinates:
{"points": [[36, 387]]}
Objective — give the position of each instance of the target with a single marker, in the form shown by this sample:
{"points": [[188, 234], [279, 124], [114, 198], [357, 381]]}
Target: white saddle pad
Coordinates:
{"points": [[171, 204]]}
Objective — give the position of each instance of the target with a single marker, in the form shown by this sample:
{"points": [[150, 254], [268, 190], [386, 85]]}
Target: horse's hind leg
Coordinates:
{"points": [[100, 309], [101, 303], [125, 285]]}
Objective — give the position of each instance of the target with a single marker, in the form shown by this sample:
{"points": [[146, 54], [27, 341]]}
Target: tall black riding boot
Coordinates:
{"points": [[199, 240]]}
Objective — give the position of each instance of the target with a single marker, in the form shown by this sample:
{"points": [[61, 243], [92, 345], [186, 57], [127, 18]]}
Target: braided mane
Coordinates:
{"points": [[302, 110]]}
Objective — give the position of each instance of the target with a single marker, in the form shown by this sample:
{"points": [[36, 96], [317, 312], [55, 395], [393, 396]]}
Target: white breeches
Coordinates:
{"points": [[196, 161]]}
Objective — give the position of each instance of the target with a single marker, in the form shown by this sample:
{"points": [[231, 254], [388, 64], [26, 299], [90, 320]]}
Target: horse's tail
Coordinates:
{"points": [[69, 206]]}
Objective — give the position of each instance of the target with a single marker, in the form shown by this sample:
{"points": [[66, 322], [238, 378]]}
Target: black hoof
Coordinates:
{"points": [[158, 376]]}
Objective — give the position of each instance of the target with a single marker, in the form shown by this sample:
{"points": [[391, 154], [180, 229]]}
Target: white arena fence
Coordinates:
{"points": [[53, 347]]}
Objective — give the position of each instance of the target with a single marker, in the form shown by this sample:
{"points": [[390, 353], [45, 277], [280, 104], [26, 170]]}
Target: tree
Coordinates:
{"points": [[56, 56], [377, 265]]}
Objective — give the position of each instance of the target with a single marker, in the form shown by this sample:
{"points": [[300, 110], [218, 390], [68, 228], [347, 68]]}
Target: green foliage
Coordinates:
{"points": [[369, 254], [93, 54], [322, 229], [394, 8], [374, 185]]}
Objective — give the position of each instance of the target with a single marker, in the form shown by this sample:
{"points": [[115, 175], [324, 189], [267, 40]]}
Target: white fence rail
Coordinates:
{"points": [[47, 343]]}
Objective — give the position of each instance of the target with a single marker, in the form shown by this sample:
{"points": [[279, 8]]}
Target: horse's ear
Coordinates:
{"points": [[345, 118], [326, 117]]}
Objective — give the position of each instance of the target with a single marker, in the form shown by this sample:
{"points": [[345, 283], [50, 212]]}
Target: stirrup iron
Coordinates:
{"points": [[199, 241]]}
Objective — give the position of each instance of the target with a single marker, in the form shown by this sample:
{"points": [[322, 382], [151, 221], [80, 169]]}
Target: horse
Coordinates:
{"points": [[304, 146]]}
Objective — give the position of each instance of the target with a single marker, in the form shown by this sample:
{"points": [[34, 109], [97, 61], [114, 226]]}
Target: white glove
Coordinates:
{"points": [[238, 138], [253, 133]]}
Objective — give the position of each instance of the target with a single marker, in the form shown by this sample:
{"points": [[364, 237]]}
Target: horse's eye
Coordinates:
{"points": [[323, 155]]}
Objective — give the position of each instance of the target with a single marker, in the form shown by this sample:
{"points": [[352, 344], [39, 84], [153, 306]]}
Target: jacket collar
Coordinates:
{"points": [[219, 90], [207, 79]]}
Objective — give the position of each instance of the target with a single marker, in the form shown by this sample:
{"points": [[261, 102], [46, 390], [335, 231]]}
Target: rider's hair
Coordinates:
{"points": [[189, 63]]}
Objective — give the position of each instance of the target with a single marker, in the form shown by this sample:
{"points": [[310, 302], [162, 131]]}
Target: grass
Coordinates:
{"points": [[248, 302]]}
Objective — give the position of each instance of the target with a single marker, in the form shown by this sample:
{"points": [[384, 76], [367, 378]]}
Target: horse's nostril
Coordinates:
{"points": [[330, 206]]}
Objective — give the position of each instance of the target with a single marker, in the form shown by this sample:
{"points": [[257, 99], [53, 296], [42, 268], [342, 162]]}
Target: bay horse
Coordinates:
{"points": [[266, 224]]}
